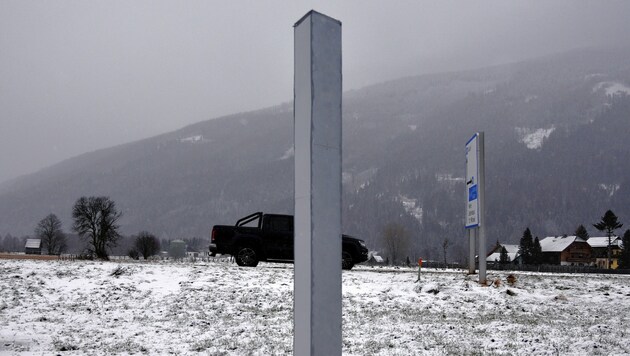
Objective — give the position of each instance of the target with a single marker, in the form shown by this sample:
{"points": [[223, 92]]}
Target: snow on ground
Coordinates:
{"points": [[77, 308]]}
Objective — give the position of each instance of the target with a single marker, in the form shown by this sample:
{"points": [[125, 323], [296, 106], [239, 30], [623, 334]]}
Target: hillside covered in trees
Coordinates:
{"points": [[556, 133]]}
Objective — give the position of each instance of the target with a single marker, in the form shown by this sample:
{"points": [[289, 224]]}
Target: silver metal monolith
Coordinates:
{"points": [[317, 120]]}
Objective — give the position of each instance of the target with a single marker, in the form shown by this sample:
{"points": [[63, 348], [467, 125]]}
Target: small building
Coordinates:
{"points": [[177, 249], [494, 256], [565, 251], [374, 259], [599, 251], [194, 254], [33, 247]]}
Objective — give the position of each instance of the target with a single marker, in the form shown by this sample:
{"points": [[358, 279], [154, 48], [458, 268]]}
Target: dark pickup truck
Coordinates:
{"points": [[269, 237]]}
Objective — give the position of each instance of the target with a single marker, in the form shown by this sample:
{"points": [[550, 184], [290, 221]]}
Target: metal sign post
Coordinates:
{"points": [[472, 248], [475, 209], [482, 212], [317, 123]]}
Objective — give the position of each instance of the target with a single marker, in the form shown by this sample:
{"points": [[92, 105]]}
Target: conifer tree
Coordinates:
{"points": [[609, 224], [624, 259], [526, 247], [536, 252], [581, 232], [504, 258]]}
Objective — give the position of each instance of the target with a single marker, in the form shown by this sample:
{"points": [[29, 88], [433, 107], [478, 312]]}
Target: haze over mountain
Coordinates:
{"points": [[78, 76], [556, 156]]}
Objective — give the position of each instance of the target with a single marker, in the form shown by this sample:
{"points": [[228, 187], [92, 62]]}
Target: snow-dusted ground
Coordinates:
{"points": [[76, 308]]}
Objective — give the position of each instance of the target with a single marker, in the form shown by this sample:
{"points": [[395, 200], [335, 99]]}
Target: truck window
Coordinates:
{"points": [[281, 224]]}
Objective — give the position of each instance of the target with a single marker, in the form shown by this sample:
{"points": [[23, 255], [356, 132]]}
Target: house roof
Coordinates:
{"points": [[497, 257], [512, 252], [511, 248], [33, 243], [603, 241], [377, 258], [558, 243]]}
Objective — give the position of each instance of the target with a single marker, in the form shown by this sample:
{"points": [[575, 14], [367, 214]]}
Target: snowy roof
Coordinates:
{"points": [[497, 257], [33, 243], [511, 248], [558, 243], [377, 258], [512, 252], [603, 241]]}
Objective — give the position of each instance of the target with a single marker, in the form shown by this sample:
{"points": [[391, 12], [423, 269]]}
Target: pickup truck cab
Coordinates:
{"points": [[269, 237]]}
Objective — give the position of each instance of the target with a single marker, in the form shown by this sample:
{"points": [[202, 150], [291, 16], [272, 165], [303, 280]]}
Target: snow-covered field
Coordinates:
{"points": [[77, 308]]}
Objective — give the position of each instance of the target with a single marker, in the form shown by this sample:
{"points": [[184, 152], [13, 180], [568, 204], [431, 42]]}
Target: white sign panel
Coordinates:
{"points": [[472, 182]]}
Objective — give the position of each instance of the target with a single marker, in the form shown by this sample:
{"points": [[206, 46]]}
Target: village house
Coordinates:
{"points": [[494, 256], [374, 259], [599, 251], [565, 251], [33, 247]]}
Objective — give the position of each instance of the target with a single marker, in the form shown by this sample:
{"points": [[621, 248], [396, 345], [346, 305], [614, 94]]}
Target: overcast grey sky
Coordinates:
{"points": [[76, 75]]}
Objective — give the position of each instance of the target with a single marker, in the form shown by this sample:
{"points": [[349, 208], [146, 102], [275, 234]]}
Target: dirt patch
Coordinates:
{"points": [[10, 256]]}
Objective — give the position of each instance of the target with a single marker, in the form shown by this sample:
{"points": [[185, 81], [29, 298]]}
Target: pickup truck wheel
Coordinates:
{"points": [[246, 256], [346, 260]]}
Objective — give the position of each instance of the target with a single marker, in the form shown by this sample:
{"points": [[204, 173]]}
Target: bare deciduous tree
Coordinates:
{"points": [[11, 244], [445, 244], [95, 220], [396, 240], [147, 244], [49, 231]]}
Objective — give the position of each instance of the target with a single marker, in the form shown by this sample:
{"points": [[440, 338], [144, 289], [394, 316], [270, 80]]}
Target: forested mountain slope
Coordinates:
{"points": [[556, 156]]}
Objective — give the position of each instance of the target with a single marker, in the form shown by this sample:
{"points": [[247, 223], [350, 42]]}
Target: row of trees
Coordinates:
{"points": [[529, 249], [95, 221], [396, 240], [48, 230], [12, 243]]}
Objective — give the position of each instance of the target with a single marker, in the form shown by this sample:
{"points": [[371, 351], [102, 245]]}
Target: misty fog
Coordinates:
{"points": [[77, 76]]}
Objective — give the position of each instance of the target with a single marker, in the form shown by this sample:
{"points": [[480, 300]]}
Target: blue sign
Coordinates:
{"points": [[472, 193]]}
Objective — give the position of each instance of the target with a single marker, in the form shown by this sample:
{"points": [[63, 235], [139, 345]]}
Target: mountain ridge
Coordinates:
{"points": [[403, 153]]}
